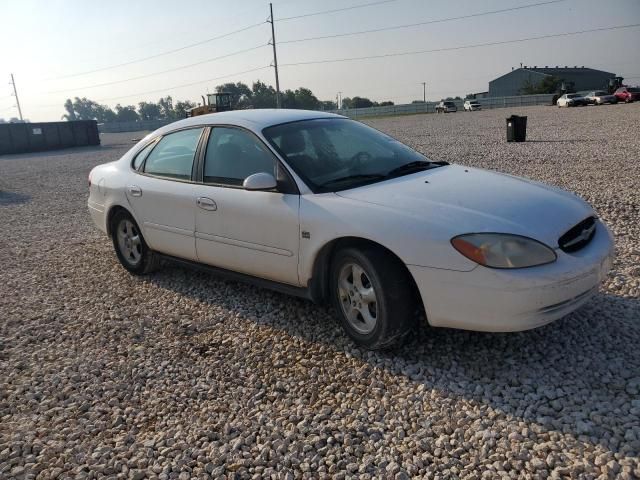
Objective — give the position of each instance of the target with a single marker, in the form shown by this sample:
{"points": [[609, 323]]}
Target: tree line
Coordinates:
{"points": [[259, 95]]}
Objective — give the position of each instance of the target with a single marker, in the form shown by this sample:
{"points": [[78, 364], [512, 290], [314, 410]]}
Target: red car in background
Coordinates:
{"points": [[627, 94]]}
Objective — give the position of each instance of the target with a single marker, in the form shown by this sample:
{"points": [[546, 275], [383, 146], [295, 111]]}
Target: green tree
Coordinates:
{"points": [[166, 108], [71, 114], [548, 84], [180, 109], [85, 109], [263, 95], [240, 94], [306, 99], [289, 100], [148, 111], [361, 102], [126, 113]]}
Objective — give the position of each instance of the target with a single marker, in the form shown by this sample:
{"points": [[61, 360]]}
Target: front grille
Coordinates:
{"points": [[579, 236]]}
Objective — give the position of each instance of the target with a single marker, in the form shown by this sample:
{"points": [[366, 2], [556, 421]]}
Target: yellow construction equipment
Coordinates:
{"points": [[215, 102]]}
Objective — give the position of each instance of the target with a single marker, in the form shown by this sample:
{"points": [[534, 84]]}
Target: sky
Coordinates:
{"points": [[61, 49]]}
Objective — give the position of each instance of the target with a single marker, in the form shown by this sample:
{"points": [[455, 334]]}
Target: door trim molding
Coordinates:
{"points": [[242, 244], [167, 228]]}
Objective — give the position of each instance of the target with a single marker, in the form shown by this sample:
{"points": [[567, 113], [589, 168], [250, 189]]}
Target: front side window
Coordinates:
{"points": [[173, 156], [335, 154], [232, 155]]}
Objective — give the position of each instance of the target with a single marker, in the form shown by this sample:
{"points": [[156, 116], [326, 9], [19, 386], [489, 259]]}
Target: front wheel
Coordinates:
{"points": [[132, 250], [373, 296]]}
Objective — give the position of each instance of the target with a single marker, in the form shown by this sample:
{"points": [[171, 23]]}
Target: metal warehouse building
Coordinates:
{"points": [[575, 79]]}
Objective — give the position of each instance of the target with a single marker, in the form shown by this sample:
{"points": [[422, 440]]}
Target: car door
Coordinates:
{"points": [[162, 194], [252, 232]]}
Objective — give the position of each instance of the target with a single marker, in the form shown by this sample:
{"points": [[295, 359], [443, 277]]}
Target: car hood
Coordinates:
{"points": [[466, 200]]}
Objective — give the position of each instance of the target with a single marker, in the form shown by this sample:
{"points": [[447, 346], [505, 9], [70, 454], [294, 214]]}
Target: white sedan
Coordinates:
{"points": [[571, 100], [324, 207]]}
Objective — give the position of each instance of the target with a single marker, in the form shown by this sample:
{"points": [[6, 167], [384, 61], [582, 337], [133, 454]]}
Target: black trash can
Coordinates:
{"points": [[516, 128]]}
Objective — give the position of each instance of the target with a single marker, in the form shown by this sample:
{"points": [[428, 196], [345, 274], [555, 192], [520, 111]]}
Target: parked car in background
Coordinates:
{"points": [[600, 97], [572, 100], [324, 207], [446, 107], [627, 94], [471, 105]]}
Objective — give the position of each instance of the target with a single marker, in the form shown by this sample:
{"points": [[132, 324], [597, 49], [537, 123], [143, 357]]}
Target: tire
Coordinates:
{"points": [[373, 295], [131, 249]]}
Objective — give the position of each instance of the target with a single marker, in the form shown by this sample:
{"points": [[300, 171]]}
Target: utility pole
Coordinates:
{"points": [[339, 100], [275, 55], [424, 92], [15, 93]]}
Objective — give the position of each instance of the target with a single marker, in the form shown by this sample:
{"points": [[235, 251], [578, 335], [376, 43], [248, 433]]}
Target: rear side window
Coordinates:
{"points": [[233, 155], [137, 162], [173, 155]]}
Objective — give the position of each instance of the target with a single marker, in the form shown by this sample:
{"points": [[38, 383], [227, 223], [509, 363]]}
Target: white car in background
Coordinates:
{"points": [[324, 207], [471, 105], [600, 97], [571, 100]]}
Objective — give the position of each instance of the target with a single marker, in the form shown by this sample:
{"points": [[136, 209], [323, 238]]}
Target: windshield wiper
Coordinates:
{"points": [[360, 176], [416, 166]]}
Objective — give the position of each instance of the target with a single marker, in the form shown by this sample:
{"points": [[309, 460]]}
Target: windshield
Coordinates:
{"points": [[634, 90], [573, 95], [332, 154]]}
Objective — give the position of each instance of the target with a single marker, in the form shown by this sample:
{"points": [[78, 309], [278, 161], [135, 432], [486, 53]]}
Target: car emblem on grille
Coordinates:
{"points": [[583, 237]]}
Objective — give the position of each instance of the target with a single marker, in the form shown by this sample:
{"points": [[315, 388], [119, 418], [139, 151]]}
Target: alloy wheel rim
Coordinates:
{"points": [[358, 298], [129, 242]]}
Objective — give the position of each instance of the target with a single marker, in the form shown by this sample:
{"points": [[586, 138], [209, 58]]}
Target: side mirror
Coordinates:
{"points": [[260, 181]]}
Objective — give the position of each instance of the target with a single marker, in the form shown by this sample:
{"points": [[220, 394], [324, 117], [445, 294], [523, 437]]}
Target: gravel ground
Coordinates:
{"points": [[184, 375]]}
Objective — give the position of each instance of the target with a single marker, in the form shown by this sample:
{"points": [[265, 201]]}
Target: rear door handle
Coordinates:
{"points": [[206, 204], [135, 190]]}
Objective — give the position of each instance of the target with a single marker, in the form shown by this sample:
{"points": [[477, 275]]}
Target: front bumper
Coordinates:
{"points": [[494, 300]]}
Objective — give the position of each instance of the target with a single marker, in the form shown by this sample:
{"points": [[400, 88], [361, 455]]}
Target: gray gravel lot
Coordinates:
{"points": [[184, 375]]}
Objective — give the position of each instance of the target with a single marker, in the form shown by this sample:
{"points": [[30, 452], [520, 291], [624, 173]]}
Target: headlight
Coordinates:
{"points": [[502, 250]]}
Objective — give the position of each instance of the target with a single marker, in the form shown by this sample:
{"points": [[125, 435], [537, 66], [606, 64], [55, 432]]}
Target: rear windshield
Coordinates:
{"points": [[449, 104]]}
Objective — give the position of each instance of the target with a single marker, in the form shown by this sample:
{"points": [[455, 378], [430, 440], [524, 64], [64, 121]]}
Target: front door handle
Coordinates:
{"points": [[206, 204], [135, 190]]}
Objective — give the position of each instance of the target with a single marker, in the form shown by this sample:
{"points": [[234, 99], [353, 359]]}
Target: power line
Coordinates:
{"points": [[462, 47], [114, 82], [183, 85], [161, 54], [429, 22], [335, 10]]}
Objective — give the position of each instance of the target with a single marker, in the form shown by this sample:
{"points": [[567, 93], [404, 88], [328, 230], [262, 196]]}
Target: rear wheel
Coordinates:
{"points": [[373, 295], [131, 249]]}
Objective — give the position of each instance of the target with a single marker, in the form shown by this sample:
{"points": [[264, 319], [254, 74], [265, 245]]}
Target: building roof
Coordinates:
{"points": [[559, 71]]}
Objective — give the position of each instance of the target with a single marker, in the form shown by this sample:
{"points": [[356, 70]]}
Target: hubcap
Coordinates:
{"points": [[357, 298], [129, 242]]}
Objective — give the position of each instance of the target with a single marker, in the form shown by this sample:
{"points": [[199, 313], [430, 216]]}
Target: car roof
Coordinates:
{"points": [[255, 119]]}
